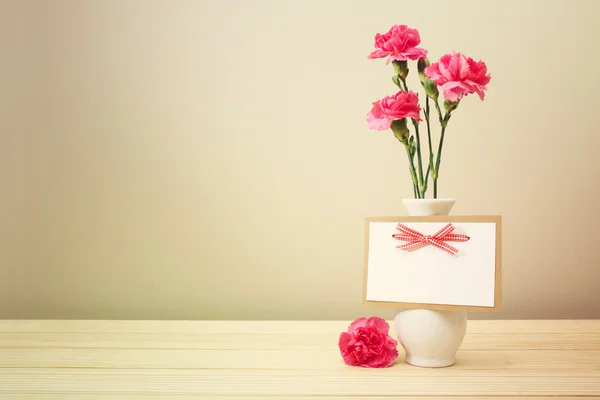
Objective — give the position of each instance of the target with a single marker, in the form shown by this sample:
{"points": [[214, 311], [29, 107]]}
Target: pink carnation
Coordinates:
{"points": [[399, 106], [367, 344], [459, 76], [399, 44]]}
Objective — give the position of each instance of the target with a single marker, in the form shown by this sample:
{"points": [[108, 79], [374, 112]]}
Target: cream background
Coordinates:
{"points": [[210, 159]]}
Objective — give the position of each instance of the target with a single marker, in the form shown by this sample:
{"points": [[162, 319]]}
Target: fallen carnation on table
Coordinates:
{"points": [[367, 344]]}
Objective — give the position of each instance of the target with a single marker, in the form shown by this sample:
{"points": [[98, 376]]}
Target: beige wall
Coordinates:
{"points": [[211, 159]]}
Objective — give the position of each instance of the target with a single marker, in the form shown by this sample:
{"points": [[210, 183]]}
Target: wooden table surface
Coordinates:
{"points": [[245, 360]]}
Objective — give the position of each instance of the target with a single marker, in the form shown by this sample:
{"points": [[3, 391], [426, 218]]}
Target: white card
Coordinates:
{"points": [[429, 277]]}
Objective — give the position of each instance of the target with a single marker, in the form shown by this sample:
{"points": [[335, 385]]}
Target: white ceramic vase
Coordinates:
{"points": [[430, 338]]}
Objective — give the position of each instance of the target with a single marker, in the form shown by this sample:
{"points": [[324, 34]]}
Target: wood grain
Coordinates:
{"points": [[291, 341], [276, 327], [250, 360], [66, 396]]}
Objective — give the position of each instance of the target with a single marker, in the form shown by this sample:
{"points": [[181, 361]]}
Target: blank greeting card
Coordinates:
{"points": [[440, 262]]}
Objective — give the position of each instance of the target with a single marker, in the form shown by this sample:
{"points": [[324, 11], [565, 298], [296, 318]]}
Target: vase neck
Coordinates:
{"points": [[428, 207]]}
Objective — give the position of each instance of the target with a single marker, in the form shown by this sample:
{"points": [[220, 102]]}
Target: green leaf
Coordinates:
{"points": [[424, 187], [434, 174], [412, 147]]}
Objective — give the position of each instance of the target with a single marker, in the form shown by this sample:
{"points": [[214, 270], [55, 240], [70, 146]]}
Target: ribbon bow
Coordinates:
{"points": [[416, 239]]}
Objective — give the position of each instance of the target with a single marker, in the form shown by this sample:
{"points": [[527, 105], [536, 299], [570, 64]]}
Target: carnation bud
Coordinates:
{"points": [[400, 130], [396, 81], [401, 68], [431, 88], [450, 106], [421, 65]]}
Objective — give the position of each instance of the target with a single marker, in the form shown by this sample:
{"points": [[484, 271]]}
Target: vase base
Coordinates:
{"points": [[429, 362]]}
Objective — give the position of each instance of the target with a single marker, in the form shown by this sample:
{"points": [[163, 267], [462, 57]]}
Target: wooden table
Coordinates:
{"points": [[240, 360]]}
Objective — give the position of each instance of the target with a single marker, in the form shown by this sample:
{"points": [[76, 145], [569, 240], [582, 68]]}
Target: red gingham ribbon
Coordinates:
{"points": [[416, 239]]}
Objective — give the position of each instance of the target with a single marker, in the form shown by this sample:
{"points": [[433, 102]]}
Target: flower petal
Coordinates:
{"points": [[400, 43], [378, 54], [379, 323], [358, 323], [379, 124], [459, 76]]}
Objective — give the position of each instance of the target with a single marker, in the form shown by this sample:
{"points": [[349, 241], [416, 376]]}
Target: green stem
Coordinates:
{"points": [[436, 169], [427, 113], [439, 159], [428, 129], [413, 174], [439, 111], [415, 191], [419, 161], [404, 82], [420, 182]]}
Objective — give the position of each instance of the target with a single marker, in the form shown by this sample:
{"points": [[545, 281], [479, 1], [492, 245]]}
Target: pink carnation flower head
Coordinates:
{"points": [[390, 108], [368, 344], [459, 76], [399, 43]]}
